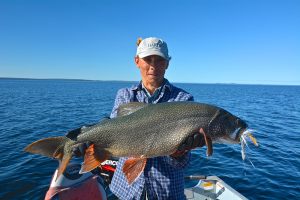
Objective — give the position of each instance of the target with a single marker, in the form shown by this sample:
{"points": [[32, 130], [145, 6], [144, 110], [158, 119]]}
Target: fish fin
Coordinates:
{"points": [[127, 109], [208, 143], [53, 148], [50, 147], [133, 168], [63, 164], [92, 159], [59, 153]]}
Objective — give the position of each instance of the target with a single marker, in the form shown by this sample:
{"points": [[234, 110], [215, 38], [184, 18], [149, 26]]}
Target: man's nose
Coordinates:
{"points": [[153, 62]]}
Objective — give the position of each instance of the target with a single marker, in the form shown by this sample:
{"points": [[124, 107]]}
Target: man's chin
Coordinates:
{"points": [[154, 79]]}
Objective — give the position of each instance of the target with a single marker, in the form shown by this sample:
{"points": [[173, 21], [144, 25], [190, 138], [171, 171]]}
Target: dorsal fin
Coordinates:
{"points": [[127, 109]]}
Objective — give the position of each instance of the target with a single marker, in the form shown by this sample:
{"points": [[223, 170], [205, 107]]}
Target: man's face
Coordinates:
{"points": [[152, 68]]}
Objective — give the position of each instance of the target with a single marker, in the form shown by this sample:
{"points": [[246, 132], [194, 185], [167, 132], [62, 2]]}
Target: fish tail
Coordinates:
{"points": [[51, 147], [54, 148]]}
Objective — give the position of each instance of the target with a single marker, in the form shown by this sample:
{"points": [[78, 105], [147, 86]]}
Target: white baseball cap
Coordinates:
{"points": [[152, 46]]}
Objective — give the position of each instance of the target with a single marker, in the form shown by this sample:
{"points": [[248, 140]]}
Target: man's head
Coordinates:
{"points": [[152, 59]]}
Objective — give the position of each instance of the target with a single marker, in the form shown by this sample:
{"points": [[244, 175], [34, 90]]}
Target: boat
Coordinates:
{"points": [[211, 188], [71, 185], [95, 185]]}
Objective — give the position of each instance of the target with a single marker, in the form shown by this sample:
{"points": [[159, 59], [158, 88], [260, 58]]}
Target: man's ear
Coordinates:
{"points": [[136, 60]]}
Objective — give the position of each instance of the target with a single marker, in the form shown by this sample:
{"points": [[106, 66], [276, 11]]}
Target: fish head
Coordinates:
{"points": [[226, 128]]}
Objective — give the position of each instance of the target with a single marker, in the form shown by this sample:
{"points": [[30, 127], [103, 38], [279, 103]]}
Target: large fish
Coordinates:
{"points": [[143, 131]]}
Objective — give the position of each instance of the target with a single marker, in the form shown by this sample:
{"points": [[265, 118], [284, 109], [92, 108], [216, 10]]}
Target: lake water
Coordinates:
{"points": [[34, 109]]}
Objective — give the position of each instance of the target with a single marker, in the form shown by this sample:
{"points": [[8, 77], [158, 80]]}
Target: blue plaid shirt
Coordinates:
{"points": [[163, 177]]}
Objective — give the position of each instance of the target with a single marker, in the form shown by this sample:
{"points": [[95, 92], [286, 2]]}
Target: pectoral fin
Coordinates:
{"points": [[133, 168], [208, 143], [92, 159]]}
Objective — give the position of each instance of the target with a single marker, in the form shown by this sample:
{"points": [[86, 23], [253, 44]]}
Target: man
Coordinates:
{"points": [[163, 177]]}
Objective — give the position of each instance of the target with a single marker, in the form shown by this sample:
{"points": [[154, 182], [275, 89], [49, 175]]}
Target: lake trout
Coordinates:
{"points": [[142, 131]]}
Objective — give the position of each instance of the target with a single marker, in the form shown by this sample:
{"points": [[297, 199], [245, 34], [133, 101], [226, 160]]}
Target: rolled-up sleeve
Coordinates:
{"points": [[122, 97]]}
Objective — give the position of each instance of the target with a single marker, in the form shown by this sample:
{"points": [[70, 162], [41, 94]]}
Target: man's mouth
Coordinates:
{"points": [[152, 74]]}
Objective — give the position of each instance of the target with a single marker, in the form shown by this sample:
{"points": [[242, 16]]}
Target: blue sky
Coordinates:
{"points": [[210, 41]]}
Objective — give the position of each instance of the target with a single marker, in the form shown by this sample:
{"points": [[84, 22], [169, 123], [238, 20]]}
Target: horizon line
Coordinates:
{"points": [[80, 79]]}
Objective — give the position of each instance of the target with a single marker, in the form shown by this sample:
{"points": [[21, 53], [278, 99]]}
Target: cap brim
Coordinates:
{"points": [[151, 53]]}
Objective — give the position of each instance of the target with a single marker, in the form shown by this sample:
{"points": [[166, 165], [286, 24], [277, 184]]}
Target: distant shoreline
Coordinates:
{"points": [[128, 81], [61, 79]]}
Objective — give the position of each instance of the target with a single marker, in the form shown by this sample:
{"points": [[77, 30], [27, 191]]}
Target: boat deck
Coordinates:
{"points": [[212, 188]]}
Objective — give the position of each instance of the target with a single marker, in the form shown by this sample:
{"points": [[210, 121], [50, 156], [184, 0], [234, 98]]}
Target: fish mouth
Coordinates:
{"points": [[237, 134], [240, 127]]}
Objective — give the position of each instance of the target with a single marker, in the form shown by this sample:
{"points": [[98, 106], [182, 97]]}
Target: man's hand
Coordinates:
{"points": [[191, 142], [79, 150]]}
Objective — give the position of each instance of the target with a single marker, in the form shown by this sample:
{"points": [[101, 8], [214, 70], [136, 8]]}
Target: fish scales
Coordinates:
{"points": [[163, 125]]}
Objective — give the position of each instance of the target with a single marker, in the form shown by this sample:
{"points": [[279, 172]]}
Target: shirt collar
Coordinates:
{"points": [[166, 84]]}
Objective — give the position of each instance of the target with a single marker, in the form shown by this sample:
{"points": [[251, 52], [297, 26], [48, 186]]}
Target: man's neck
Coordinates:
{"points": [[151, 87]]}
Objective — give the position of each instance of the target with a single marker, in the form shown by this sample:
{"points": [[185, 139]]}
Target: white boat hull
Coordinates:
{"points": [[212, 187]]}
